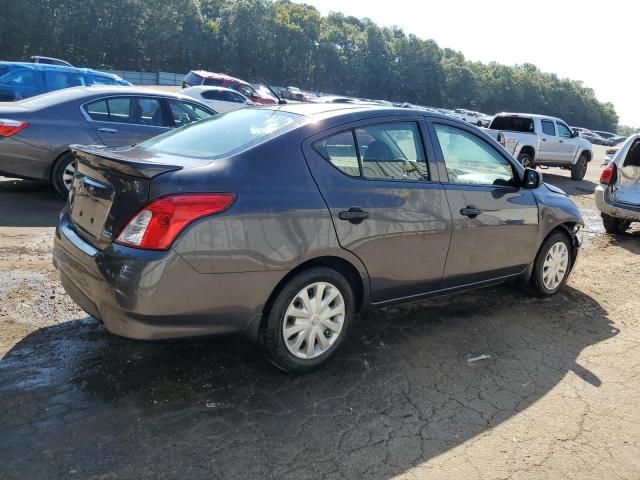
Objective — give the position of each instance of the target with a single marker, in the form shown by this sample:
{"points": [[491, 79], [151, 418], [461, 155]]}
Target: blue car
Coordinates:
{"points": [[19, 80]]}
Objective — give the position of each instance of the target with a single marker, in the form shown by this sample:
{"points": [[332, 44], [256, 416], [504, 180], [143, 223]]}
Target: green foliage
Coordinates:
{"points": [[287, 44]]}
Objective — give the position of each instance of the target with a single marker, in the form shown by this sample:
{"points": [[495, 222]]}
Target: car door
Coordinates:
{"points": [[126, 120], [548, 149], [567, 144], [386, 203], [495, 221]]}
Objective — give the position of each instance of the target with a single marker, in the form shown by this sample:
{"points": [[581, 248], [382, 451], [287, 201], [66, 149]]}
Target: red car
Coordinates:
{"points": [[202, 77]]}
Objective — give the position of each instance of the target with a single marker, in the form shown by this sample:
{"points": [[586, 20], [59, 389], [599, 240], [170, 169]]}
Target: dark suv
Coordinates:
{"points": [[282, 223], [19, 80]]}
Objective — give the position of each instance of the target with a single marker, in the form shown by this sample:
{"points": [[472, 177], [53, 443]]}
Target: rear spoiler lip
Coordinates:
{"points": [[96, 157]]}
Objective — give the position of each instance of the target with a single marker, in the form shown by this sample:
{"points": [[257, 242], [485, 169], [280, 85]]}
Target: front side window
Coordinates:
{"points": [[103, 80], [391, 151], [548, 127], [216, 82], [225, 135], [563, 131], [211, 94], [57, 80], [184, 113], [470, 160]]}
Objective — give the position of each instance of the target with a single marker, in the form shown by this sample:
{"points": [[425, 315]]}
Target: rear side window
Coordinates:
{"points": [[633, 157], [193, 79], [225, 135], [391, 151], [215, 82], [135, 110], [58, 80], [548, 127], [513, 124], [21, 78], [340, 150]]}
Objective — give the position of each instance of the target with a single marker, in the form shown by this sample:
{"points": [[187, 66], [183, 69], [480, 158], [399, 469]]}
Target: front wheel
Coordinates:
{"points": [[552, 265], [308, 320], [579, 170]]}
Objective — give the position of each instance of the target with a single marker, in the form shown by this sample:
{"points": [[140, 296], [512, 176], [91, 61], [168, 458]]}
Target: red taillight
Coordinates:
{"points": [[157, 225], [10, 127], [609, 175]]}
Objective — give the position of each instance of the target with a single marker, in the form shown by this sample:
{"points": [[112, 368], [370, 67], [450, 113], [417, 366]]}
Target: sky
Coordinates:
{"points": [[596, 42]]}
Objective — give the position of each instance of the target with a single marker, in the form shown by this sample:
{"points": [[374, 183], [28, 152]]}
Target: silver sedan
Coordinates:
{"points": [[35, 133]]}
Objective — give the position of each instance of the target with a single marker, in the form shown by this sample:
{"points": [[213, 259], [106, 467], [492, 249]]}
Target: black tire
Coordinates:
{"points": [[58, 177], [614, 225], [579, 170], [271, 335], [537, 285], [526, 160]]}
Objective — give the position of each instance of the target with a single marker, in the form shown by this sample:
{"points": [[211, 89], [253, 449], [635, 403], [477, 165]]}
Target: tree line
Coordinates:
{"points": [[287, 44]]}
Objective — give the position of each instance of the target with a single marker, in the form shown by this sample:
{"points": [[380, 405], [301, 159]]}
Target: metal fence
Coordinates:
{"points": [[151, 78]]}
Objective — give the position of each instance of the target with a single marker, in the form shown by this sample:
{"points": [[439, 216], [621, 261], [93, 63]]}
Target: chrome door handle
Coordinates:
{"points": [[108, 130], [353, 215], [471, 212]]}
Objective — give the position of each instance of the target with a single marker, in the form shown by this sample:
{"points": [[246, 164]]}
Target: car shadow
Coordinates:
{"points": [[27, 203], [400, 392], [572, 187]]}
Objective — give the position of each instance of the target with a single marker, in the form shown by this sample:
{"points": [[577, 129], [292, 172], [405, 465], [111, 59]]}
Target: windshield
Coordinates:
{"points": [[513, 124], [225, 134]]}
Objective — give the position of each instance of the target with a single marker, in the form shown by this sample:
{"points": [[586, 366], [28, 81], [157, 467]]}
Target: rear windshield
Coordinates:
{"points": [[224, 135], [513, 124]]}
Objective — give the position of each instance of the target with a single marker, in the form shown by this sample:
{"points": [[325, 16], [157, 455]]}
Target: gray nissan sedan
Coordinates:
{"points": [[284, 222]]}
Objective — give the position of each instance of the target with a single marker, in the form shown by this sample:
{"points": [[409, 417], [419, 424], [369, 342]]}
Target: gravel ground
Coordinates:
{"points": [[557, 398]]}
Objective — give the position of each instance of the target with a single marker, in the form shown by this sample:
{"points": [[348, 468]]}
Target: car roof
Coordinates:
{"points": [[331, 110], [58, 68], [88, 93], [202, 88]]}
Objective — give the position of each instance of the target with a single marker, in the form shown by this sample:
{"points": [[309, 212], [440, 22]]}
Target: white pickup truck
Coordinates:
{"points": [[540, 140]]}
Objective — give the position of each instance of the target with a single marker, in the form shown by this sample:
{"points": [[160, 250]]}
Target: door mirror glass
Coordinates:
{"points": [[532, 178]]}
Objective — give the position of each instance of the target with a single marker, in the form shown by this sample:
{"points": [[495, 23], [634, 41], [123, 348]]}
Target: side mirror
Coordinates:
{"points": [[532, 178]]}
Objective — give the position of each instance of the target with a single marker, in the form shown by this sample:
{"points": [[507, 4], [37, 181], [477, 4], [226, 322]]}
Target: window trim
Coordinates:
{"points": [[423, 137], [516, 167]]}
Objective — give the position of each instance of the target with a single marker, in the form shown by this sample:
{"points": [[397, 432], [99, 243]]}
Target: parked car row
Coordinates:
{"points": [[599, 137]]}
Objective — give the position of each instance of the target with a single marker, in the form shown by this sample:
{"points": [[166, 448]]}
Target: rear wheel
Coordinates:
{"points": [[63, 172], [552, 265], [579, 170], [308, 320], [526, 160], [614, 225]]}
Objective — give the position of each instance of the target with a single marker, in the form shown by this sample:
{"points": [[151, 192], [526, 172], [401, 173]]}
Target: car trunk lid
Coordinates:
{"points": [[627, 188], [110, 186]]}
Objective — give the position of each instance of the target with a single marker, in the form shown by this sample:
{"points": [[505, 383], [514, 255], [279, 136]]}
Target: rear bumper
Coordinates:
{"points": [[606, 205], [157, 295]]}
